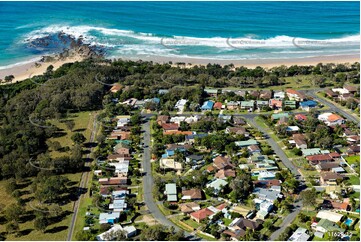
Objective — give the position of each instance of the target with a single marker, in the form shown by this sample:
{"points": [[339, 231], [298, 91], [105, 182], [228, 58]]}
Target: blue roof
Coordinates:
{"points": [[309, 103], [156, 100], [193, 136], [207, 105]]}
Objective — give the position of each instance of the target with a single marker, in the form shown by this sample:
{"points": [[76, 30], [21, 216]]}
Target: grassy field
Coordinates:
{"points": [[354, 180], [83, 124], [55, 231]]}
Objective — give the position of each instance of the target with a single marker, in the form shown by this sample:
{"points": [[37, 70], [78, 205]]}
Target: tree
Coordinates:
{"points": [[13, 212], [40, 223], [9, 78], [308, 197], [12, 227], [78, 138], [83, 236], [10, 186], [70, 124]]}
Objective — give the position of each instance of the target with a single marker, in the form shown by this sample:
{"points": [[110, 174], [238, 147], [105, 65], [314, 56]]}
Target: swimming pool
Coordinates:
{"points": [[348, 222]]}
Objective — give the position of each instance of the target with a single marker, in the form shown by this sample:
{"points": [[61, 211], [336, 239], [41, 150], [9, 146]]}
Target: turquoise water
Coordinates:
{"points": [[218, 30]]}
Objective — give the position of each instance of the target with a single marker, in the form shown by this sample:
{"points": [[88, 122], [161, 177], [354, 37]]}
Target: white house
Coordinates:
{"points": [[279, 95], [299, 235], [331, 119], [180, 105]]}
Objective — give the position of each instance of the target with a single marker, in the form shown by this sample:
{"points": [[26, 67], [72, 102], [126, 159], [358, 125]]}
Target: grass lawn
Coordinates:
{"points": [[353, 160], [165, 211], [227, 221], [207, 238], [55, 231], [354, 180], [355, 195], [176, 220]]}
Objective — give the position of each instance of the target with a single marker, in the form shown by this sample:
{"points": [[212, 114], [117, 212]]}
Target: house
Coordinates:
{"points": [[217, 105], [331, 93], [113, 181], [353, 150], [238, 227], [121, 150], [123, 122], [239, 121], [330, 178], [192, 194], [224, 173], [292, 129], [332, 216], [282, 121], [279, 95], [290, 104], [277, 116], [254, 149], [300, 117], [171, 192], [294, 95], [300, 141], [253, 94], [331, 119], [315, 159], [266, 175], [239, 130], [275, 103], [261, 104], [247, 105], [170, 163], [325, 225], [261, 214], [190, 139], [267, 194], [169, 127], [118, 205], [109, 218], [221, 162], [121, 168], [106, 191], [201, 215], [211, 92], [265, 94], [188, 208], [163, 91], [162, 119], [326, 166], [217, 185], [232, 105], [207, 106], [129, 231], [267, 183], [344, 206], [246, 143], [224, 118], [194, 159], [300, 235], [115, 88], [350, 89], [180, 104], [308, 105]]}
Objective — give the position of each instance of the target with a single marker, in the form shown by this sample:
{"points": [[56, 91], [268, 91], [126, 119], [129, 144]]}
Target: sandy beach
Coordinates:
{"points": [[252, 63], [22, 72]]}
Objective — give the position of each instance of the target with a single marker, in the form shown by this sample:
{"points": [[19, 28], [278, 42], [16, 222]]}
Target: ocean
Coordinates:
{"points": [[203, 30]]}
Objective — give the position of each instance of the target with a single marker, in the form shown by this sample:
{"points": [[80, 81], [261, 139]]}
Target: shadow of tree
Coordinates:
{"points": [[56, 229]]}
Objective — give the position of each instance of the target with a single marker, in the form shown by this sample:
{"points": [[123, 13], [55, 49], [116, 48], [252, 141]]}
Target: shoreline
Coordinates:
{"points": [[251, 63], [24, 71]]}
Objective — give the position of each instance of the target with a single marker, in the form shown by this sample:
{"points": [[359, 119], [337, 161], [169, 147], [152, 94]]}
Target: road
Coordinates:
{"points": [[286, 221], [275, 146], [148, 183], [83, 185], [332, 106]]}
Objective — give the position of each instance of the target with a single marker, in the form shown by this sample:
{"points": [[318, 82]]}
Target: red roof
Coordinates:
{"points": [[201, 214], [318, 157], [221, 206], [300, 117], [217, 105], [170, 126], [291, 91]]}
